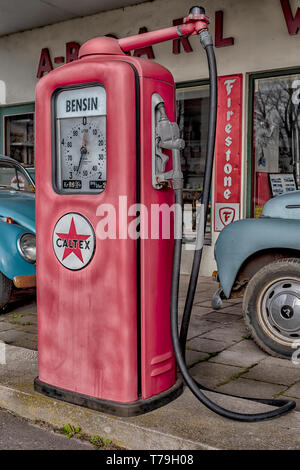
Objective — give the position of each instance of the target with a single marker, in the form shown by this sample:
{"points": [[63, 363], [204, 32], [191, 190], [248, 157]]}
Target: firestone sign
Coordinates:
{"points": [[228, 151]]}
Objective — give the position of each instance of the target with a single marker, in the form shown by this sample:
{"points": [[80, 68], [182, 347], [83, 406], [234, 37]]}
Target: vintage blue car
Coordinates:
{"points": [[17, 229], [259, 259]]}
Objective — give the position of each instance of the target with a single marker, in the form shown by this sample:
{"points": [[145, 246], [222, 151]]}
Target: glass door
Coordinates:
{"points": [[192, 118]]}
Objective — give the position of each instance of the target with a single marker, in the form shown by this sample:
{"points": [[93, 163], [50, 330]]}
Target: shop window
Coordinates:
{"points": [[276, 138], [19, 137], [192, 118]]}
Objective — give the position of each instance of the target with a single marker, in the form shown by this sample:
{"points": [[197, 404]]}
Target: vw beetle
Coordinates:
{"points": [[17, 229], [259, 259]]}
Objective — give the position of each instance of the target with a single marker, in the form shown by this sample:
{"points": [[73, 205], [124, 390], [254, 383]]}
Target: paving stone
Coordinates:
{"points": [[277, 361], [207, 345], [21, 307], [4, 326], [208, 283], [12, 317], [225, 334], [197, 310], [244, 354], [32, 329], [233, 301], [213, 374], [192, 357], [204, 303], [225, 319], [274, 374], [200, 310], [293, 391], [251, 388], [198, 326], [19, 338], [234, 309]]}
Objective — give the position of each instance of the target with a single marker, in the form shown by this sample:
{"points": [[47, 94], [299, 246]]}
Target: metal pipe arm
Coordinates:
{"points": [[195, 22]]}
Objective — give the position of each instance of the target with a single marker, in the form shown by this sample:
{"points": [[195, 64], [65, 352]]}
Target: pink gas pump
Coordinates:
{"points": [[107, 150]]}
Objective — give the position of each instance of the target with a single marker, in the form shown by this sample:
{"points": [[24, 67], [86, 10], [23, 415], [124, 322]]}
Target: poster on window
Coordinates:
{"points": [[282, 183], [267, 144], [228, 151]]}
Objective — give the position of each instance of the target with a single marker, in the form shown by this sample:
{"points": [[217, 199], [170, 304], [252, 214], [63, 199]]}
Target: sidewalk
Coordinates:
{"points": [[220, 355]]}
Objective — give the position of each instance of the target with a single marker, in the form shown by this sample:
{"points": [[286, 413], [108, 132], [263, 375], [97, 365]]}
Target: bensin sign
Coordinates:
{"points": [[228, 151]]}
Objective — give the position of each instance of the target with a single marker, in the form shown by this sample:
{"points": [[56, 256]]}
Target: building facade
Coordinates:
{"points": [[257, 52]]}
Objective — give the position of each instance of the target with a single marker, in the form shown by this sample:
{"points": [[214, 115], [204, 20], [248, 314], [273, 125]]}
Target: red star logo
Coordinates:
{"points": [[72, 237]]}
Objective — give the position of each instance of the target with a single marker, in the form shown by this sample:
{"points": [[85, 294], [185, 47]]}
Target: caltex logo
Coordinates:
{"points": [[73, 241]]}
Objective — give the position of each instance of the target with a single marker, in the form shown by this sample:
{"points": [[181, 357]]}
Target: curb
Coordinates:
{"points": [[36, 407], [183, 424]]}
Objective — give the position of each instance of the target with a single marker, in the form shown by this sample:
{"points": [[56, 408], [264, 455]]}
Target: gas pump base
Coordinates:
{"points": [[124, 410]]}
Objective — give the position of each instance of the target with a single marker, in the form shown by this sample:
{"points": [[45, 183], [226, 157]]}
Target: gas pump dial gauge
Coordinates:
{"points": [[80, 160]]}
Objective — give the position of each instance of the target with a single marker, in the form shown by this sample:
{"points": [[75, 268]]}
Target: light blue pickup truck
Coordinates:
{"points": [[259, 259], [17, 229]]}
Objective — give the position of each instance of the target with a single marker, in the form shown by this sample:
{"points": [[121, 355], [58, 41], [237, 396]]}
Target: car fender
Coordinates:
{"points": [[11, 262], [240, 240]]}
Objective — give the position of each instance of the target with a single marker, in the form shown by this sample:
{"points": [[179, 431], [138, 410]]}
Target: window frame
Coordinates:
{"points": [[12, 110]]}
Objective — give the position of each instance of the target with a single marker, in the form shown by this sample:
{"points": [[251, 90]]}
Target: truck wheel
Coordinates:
{"points": [[271, 307], [5, 290]]}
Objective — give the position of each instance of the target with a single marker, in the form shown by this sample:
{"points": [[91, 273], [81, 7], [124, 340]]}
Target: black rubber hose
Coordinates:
{"points": [[213, 100], [283, 406]]}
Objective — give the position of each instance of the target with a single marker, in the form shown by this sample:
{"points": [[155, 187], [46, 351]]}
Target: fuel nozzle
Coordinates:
{"points": [[168, 137], [197, 13]]}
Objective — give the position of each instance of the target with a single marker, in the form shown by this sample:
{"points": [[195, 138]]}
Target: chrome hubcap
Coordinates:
{"points": [[279, 310]]}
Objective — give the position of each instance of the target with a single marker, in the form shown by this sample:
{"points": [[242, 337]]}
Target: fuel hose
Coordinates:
{"points": [[179, 341]]}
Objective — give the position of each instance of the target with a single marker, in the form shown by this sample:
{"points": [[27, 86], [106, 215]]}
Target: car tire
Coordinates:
{"points": [[5, 290], [271, 307]]}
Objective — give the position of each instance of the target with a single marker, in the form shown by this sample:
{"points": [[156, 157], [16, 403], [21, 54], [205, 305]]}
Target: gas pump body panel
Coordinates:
{"points": [[156, 256], [87, 318], [104, 330]]}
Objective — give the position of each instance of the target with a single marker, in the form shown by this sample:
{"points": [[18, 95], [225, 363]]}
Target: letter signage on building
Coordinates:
{"points": [[72, 48], [228, 151]]}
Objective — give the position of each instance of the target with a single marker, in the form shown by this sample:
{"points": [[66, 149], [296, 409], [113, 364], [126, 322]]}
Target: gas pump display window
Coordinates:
{"points": [[80, 132]]}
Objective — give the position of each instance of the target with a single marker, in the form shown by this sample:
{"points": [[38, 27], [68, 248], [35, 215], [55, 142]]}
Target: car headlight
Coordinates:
{"points": [[27, 247]]}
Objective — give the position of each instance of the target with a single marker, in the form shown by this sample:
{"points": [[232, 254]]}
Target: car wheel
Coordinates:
{"points": [[5, 290], [271, 307]]}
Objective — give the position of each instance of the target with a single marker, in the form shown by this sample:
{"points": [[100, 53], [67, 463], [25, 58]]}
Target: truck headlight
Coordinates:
{"points": [[27, 247]]}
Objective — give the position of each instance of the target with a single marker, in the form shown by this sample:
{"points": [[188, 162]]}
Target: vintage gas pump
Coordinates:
{"points": [[106, 142]]}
